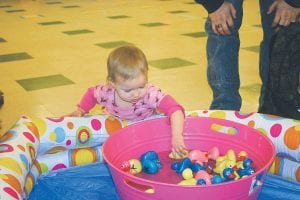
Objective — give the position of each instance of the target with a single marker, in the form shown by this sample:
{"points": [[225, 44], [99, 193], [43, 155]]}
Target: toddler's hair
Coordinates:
{"points": [[126, 62]]}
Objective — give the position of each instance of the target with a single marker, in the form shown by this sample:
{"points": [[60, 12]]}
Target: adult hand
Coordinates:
{"points": [[222, 19], [284, 13]]}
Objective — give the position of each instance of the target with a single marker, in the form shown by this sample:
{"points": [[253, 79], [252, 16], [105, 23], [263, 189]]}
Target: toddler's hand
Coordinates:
{"points": [[76, 113], [178, 146]]}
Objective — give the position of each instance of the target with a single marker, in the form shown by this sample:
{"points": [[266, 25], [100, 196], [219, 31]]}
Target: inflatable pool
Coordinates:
{"points": [[40, 147]]}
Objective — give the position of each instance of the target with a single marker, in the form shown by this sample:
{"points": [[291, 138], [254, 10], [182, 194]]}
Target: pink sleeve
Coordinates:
{"points": [[168, 105], [88, 101]]}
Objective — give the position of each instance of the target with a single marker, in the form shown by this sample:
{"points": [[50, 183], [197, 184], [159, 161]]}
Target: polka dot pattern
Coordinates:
{"points": [[292, 138], [275, 130], [36, 146]]}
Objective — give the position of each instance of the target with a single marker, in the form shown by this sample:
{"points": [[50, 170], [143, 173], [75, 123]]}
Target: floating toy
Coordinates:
{"points": [[226, 161], [196, 167], [216, 179], [242, 156], [181, 165], [247, 168], [228, 174], [191, 181], [210, 165], [198, 156], [245, 172], [188, 177], [203, 175], [150, 162], [202, 157], [132, 166], [187, 174]]}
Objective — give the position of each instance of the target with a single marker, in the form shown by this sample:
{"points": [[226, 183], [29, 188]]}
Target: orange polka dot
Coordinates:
{"points": [[272, 116], [6, 136], [277, 165], [70, 125], [21, 148], [37, 166], [32, 127], [32, 152], [297, 174], [251, 123], [12, 181], [292, 138], [56, 149], [112, 125]]}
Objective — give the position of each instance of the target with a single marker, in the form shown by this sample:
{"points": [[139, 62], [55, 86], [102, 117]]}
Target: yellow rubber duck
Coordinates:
{"points": [[226, 161]]}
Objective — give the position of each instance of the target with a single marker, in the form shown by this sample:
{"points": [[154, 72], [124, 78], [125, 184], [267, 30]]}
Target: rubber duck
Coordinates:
{"points": [[132, 166], [181, 165], [228, 174], [242, 155], [203, 175], [216, 179], [245, 172], [196, 167], [150, 162], [198, 156], [187, 175], [226, 161], [202, 157]]}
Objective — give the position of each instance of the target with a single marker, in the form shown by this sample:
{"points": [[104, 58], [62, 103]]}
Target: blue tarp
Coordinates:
{"points": [[94, 182]]}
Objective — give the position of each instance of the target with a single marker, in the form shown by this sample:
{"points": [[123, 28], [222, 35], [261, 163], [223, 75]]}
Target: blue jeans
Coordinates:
{"points": [[264, 55], [223, 59]]}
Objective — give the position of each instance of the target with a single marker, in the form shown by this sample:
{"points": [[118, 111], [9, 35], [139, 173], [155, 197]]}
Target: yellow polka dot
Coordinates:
{"points": [[297, 128], [11, 164], [125, 123], [83, 156], [52, 136], [272, 168], [3, 176], [83, 136], [218, 114], [263, 131], [194, 114], [29, 182], [40, 124]]}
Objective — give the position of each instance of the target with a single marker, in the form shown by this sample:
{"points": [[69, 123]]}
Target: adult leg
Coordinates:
{"points": [[264, 56], [223, 69]]}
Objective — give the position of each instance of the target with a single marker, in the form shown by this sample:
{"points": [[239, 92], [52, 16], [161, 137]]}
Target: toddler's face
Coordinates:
{"points": [[131, 90]]}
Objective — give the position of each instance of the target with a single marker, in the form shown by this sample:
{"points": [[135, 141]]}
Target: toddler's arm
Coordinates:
{"points": [[177, 124], [176, 114], [87, 102]]}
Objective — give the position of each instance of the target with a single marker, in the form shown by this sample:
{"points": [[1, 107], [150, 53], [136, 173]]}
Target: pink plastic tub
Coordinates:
{"points": [[200, 133]]}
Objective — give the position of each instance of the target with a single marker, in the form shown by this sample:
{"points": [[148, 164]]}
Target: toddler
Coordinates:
{"points": [[128, 94]]}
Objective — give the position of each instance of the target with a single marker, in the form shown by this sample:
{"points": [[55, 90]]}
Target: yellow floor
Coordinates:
{"points": [[38, 40]]}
